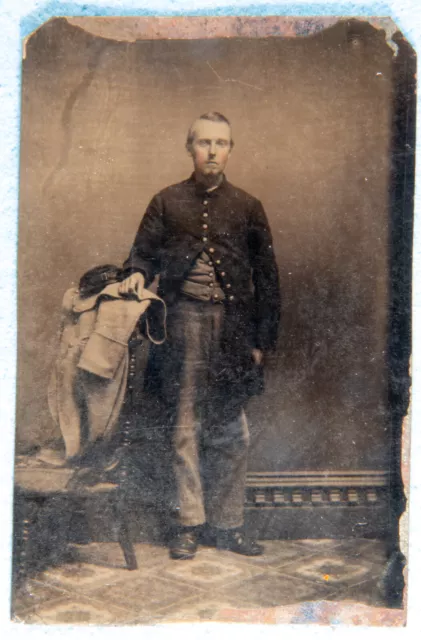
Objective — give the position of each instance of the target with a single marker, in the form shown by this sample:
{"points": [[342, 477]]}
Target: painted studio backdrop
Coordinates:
{"points": [[104, 123]]}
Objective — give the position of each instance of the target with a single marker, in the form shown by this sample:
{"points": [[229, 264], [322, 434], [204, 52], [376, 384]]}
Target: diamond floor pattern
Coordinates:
{"points": [[97, 589]]}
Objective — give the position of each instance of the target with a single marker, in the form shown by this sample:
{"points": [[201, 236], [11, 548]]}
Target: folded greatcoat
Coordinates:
{"points": [[88, 382]]}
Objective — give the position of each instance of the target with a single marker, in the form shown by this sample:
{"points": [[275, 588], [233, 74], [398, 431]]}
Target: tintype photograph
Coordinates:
{"points": [[214, 289]]}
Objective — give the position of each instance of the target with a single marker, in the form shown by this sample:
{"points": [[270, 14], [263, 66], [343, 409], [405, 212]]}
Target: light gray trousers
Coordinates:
{"points": [[210, 451]]}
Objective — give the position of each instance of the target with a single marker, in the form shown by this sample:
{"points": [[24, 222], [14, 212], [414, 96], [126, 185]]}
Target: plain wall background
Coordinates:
{"points": [[104, 127]]}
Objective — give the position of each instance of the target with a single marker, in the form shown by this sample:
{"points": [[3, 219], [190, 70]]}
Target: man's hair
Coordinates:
{"points": [[213, 116]]}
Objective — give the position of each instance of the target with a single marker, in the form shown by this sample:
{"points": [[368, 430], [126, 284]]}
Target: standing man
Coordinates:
{"points": [[211, 245]]}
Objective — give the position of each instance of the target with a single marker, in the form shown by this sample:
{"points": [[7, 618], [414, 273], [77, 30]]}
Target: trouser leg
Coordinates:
{"points": [[224, 450], [210, 438], [187, 334], [187, 468]]}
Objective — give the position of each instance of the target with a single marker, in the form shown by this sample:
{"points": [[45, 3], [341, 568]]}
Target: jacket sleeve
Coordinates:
{"points": [[265, 279], [145, 253]]}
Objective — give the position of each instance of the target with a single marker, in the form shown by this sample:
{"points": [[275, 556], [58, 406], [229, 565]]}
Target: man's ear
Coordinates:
{"points": [[189, 148]]}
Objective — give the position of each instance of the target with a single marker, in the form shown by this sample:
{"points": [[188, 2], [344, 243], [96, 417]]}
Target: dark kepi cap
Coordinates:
{"points": [[93, 281]]}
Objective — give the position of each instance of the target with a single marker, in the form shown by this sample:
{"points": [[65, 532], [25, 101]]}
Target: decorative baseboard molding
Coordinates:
{"points": [[316, 488], [317, 504]]}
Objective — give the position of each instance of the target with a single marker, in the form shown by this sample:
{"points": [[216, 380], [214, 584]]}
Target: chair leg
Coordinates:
{"points": [[125, 540], [22, 532], [25, 553], [124, 536]]}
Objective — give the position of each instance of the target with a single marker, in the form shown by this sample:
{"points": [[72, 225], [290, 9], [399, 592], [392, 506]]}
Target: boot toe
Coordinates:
{"points": [[238, 542], [183, 546]]}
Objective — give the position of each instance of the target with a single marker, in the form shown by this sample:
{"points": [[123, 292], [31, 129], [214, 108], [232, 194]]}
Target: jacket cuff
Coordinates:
{"points": [[128, 271]]}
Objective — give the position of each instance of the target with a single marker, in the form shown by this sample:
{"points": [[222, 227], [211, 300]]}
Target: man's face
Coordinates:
{"points": [[211, 147]]}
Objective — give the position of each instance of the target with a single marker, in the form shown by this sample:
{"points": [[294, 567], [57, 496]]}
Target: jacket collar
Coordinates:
{"points": [[201, 190]]}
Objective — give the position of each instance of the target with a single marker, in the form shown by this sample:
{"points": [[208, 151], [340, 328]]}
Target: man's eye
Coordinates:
{"points": [[222, 143], [202, 143]]}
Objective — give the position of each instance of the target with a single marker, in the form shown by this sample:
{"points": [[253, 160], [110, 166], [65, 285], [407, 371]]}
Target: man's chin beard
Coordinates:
{"points": [[210, 178]]}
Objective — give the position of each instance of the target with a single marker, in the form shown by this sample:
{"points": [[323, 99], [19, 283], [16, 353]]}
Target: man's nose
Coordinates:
{"points": [[212, 148]]}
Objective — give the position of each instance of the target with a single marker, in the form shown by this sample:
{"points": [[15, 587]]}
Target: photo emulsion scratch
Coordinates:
{"points": [[215, 249]]}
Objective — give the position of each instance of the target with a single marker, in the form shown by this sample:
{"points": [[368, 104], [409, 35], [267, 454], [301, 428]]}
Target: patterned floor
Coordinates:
{"points": [[96, 588]]}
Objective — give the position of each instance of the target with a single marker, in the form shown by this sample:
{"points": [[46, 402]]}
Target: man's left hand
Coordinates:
{"points": [[257, 355]]}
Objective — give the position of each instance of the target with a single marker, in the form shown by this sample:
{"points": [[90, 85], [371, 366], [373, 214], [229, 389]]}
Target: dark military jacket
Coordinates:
{"points": [[231, 226]]}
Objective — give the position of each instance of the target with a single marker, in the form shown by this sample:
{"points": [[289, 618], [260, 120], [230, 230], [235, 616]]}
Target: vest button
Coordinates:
{"points": [[212, 250]]}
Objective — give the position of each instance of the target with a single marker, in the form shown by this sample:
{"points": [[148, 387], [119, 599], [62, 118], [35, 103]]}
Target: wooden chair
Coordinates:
{"points": [[42, 490]]}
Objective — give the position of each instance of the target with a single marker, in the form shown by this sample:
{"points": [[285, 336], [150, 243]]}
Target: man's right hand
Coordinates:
{"points": [[133, 285]]}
